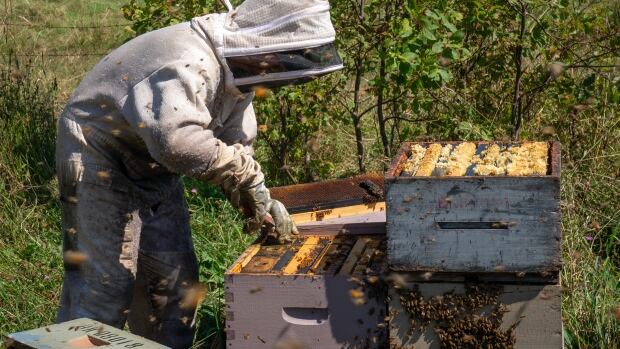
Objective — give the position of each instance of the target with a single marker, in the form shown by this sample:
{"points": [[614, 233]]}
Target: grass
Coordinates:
{"points": [[591, 246], [36, 44], [30, 252]]}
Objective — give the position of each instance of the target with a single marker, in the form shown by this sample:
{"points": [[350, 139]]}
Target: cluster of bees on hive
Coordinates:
{"points": [[494, 160], [454, 330]]}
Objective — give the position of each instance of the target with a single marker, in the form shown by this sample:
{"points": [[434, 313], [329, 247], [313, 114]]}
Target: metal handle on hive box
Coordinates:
{"points": [[305, 316], [476, 225]]}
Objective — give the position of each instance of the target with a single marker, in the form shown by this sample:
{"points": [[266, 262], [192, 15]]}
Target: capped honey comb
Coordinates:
{"points": [[477, 159]]}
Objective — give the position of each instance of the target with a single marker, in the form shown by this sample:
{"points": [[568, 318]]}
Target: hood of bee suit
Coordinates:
{"points": [[272, 42]]}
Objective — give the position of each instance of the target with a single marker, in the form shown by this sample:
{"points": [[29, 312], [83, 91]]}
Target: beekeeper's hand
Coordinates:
{"points": [[284, 229], [266, 214]]}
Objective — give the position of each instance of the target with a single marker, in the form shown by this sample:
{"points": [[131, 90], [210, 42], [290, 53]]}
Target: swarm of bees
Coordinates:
{"points": [[469, 159], [454, 317]]}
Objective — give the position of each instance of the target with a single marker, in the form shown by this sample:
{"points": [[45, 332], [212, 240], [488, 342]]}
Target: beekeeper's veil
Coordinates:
{"points": [[272, 42]]}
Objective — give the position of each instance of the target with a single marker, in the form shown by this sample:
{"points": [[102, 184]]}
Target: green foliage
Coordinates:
{"points": [[291, 123], [149, 15]]}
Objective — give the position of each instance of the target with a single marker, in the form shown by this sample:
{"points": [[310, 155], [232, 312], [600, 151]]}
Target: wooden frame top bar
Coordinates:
{"points": [[396, 168]]}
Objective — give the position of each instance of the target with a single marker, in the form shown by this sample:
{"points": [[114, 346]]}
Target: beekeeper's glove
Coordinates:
{"points": [[266, 215]]}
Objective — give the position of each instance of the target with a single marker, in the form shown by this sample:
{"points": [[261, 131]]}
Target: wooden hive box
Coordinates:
{"points": [[323, 290], [319, 292], [472, 223], [457, 315]]}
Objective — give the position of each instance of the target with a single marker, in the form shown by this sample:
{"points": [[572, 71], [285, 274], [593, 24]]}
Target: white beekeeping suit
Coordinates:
{"points": [[173, 101]]}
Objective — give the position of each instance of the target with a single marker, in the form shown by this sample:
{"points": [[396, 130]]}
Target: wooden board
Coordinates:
{"points": [[338, 212], [535, 310], [363, 224], [79, 333], [474, 225]]}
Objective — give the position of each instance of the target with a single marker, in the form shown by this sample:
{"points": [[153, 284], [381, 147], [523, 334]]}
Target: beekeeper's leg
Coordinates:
{"points": [[100, 239], [167, 271]]}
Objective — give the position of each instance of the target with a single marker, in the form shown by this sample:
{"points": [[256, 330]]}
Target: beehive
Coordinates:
{"points": [[318, 292], [464, 315], [474, 207]]}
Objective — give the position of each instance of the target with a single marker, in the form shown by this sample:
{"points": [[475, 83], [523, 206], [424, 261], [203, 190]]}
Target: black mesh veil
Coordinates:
{"points": [[284, 68]]}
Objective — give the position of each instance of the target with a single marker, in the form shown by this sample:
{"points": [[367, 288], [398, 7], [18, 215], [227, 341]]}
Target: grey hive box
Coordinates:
{"points": [[318, 292], [533, 312], [323, 290], [79, 333], [474, 224]]}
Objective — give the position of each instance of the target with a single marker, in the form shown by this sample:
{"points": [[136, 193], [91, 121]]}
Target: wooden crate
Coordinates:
{"points": [[532, 311], [474, 224], [319, 292]]}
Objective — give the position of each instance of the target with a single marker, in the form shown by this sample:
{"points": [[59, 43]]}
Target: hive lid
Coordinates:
{"points": [[364, 189], [79, 333]]}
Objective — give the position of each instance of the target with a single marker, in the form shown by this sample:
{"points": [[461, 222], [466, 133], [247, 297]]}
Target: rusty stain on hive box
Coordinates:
{"points": [[79, 333], [474, 224], [306, 296]]}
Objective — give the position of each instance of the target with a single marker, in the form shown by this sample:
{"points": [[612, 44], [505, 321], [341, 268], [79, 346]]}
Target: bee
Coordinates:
{"points": [[103, 174], [192, 297], [75, 258], [185, 320], [256, 290]]}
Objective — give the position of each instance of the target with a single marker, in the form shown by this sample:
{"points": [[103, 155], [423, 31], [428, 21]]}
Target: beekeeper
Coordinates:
{"points": [[170, 102]]}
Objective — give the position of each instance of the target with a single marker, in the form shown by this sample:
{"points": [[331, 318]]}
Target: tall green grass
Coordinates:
{"points": [[35, 37], [30, 265]]}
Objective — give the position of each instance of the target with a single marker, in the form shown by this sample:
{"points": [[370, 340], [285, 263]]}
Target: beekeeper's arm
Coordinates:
{"points": [[168, 111]]}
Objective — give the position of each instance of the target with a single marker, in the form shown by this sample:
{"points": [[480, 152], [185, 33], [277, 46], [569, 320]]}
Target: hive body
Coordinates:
{"points": [[314, 293], [473, 224]]}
